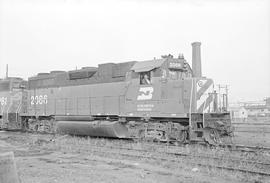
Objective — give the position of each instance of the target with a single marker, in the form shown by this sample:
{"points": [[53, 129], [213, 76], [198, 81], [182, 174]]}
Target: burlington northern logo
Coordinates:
{"points": [[145, 93]]}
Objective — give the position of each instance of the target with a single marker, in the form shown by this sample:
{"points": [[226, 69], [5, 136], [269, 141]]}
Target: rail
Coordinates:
{"points": [[154, 152], [169, 152]]}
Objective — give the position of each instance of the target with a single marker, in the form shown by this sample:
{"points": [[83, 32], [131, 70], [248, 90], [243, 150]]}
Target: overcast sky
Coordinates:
{"points": [[40, 36]]}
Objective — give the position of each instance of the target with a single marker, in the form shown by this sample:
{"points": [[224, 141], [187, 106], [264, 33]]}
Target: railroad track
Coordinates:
{"points": [[169, 152], [255, 123], [197, 160], [253, 131], [239, 147], [245, 148], [231, 147], [252, 127], [174, 157]]}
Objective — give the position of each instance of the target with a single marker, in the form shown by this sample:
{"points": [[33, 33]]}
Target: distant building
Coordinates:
{"points": [[267, 102], [258, 111], [242, 110], [259, 108], [238, 113]]}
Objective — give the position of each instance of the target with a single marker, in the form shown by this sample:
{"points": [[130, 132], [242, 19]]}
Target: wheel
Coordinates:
{"points": [[141, 134], [182, 136], [212, 136]]}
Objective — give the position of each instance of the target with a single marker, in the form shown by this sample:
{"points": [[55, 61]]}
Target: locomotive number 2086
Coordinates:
{"points": [[39, 99]]}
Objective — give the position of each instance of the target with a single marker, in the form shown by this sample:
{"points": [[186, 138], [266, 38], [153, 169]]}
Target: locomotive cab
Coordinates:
{"points": [[167, 68], [155, 87]]}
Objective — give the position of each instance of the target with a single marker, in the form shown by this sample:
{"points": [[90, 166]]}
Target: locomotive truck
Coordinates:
{"points": [[162, 99]]}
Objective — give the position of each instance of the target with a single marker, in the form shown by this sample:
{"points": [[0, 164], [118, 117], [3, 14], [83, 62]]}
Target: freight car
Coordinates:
{"points": [[162, 99], [13, 100]]}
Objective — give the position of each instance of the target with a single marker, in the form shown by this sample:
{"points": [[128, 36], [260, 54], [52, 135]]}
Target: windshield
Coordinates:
{"points": [[176, 74]]}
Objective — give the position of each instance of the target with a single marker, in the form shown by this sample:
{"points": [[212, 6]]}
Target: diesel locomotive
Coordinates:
{"points": [[162, 99]]}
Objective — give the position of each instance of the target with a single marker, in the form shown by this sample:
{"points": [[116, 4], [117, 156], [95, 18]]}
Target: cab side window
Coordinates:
{"points": [[164, 74], [145, 78], [173, 75]]}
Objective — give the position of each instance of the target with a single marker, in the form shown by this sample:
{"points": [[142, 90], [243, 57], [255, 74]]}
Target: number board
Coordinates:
{"points": [[175, 65]]}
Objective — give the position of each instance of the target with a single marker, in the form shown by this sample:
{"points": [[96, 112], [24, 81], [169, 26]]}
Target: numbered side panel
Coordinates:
{"points": [[98, 99], [39, 102]]}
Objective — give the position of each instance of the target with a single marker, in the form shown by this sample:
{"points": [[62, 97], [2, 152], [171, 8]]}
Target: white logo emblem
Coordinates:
{"points": [[145, 93]]}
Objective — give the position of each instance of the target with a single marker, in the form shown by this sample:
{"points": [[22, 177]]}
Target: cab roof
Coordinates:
{"points": [[147, 65]]}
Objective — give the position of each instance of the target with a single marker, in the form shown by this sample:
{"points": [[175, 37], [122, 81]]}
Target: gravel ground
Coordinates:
{"points": [[37, 162]]}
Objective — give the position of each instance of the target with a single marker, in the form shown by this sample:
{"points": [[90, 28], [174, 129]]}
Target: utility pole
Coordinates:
{"points": [[227, 100], [219, 98], [224, 96], [7, 71]]}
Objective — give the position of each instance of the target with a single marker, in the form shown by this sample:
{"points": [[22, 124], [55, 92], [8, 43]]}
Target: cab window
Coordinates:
{"points": [[173, 75], [145, 78], [164, 74]]}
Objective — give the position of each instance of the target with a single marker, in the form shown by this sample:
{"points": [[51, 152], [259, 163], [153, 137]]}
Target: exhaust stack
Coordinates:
{"points": [[196, 59]]}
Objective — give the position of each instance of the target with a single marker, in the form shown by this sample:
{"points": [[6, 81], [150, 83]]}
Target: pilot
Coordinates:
{"points": [[146, 80]]}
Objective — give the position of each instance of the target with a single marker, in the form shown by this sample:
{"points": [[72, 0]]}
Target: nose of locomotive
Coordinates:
{"points": [[204, 95]]}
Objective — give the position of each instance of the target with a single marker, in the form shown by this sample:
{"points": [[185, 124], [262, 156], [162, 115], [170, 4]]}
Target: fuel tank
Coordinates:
{"points": [[99, 128]]}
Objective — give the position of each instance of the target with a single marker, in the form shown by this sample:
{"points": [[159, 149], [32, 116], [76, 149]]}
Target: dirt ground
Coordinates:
{"points": [[37, 163]]}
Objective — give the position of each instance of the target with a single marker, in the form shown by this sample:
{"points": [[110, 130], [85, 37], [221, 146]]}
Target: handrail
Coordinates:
{"points": [[18, 108]]}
